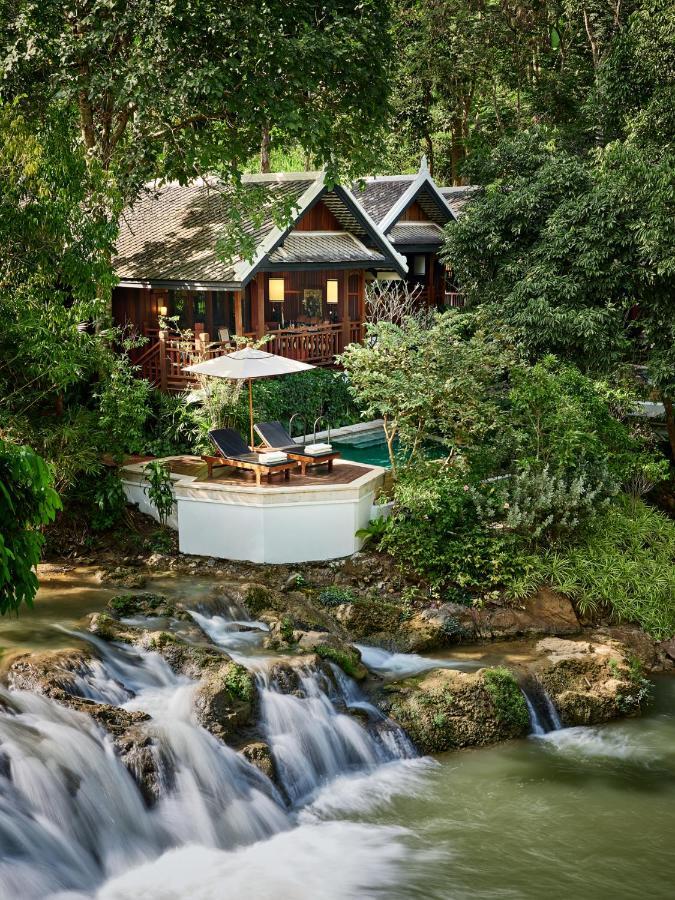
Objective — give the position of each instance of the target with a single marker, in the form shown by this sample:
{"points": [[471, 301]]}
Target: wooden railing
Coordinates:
{"points": [[454, 298], [356, 332], [163, 361], [318, 345]]}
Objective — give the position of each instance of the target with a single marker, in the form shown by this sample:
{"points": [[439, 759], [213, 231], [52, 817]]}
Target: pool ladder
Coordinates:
{"points": [[303, 420]]}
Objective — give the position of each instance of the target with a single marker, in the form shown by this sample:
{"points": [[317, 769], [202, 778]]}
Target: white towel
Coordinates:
{"points": [[316, 449], [275, 457]]}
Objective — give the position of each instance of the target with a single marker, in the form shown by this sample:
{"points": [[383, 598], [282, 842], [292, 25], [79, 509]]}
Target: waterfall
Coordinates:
{"points": [[404, 665], [541, 709], [72, 816], [313, 741]]}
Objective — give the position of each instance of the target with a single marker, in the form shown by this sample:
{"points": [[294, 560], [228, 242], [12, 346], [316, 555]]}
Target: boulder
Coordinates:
{"points": [[225, 700], [121, 576], [543, 613], [146, 605], [445, 709], [591, 682], [258, 753]]}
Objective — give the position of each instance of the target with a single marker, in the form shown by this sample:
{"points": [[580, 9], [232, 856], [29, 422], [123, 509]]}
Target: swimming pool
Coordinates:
{"points": [[369, 447]]}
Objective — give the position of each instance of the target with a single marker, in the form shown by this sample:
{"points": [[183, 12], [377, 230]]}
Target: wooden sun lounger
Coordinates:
{"points": [[232, 451], [275, 436]]}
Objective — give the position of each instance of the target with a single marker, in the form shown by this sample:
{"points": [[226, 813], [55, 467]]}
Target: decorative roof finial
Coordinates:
{"points": [[423, 163]]}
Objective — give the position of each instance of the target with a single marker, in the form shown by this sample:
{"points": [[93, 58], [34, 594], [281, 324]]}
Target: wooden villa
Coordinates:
{"points": [[306, 282]]}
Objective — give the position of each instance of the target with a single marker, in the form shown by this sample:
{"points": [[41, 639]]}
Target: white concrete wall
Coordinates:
{"points": [[282, 524]]}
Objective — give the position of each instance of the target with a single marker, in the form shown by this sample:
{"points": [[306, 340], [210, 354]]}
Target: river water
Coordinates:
{"points": [[571, 813]]}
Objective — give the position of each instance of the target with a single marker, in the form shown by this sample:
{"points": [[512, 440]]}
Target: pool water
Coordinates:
{"points": [[370, 448]]}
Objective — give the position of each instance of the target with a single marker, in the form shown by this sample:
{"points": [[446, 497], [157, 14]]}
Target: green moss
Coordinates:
{"points": [[257, 599], [371, 615], [507, 698], [349, 662], [163, 639], [286, 629], [127, 605], [239, 683]]}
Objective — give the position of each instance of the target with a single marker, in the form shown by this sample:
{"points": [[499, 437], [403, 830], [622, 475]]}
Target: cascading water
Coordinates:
{"points": [[70, 813], [72, 817], [403, 665], [544, 717], [313, 742]]}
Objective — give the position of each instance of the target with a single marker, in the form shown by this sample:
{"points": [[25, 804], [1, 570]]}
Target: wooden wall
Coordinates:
{"points": [[414, 213], [319, 218]]}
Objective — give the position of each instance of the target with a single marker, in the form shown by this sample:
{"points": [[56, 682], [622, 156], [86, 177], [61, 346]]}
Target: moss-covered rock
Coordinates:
{"points": [[445, 709], [345, 656], [146, 605], [225, 701], [591, 682]]}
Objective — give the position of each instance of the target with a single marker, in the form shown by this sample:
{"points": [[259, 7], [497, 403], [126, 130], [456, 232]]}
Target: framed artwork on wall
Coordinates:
{"points": [[312, 302]]}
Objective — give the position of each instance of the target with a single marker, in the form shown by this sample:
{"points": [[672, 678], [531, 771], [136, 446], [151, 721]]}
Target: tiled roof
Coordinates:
{"points": [[324, 247], [458, 197], [378, 195], [405, 233], [171, 233]]}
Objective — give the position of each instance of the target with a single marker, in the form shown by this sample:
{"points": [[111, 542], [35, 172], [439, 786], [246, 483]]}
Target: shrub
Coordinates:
{"points": [[435, 530], [27, 502], [507, 698], [335, 596], [622, 565], [540, 502], [159, 489]]}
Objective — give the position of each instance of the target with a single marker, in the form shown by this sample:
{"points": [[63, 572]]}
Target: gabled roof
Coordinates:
{"points": [[411, 234], [333, 248], [378, 195], [458, 197], [169, 237]]}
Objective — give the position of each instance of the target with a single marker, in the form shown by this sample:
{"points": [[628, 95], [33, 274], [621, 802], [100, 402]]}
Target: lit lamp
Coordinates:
{"points": [[332, 290], [163, 310], [276, 289]]}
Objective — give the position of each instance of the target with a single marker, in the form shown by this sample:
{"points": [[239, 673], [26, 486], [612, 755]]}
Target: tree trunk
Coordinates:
{"points": [[265, 151]]}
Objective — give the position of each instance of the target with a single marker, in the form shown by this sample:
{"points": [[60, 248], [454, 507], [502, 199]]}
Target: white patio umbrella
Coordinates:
{"points": [[247, 365]]}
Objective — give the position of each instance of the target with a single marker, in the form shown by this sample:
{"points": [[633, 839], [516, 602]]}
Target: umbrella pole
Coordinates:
{"points": [[250, 408]]}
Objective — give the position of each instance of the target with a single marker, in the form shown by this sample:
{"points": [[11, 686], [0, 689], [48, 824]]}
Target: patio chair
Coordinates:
{"points": [[275, 436], [233, 451]]}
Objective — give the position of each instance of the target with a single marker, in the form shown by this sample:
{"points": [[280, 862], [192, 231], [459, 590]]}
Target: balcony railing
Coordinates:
{"points": [[313, 344], [162, 361]]}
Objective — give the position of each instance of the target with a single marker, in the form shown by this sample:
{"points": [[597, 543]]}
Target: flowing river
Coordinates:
{"points": [[566, 813]]}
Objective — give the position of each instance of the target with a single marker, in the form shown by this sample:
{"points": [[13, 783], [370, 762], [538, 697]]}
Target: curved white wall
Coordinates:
{"points": [[281, 524]]}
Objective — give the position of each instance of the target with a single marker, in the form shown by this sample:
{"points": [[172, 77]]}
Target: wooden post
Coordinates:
{"points": [[362, 303], [346, 331], [259, 288], [162, 360], [238, 314], [202, 344]]}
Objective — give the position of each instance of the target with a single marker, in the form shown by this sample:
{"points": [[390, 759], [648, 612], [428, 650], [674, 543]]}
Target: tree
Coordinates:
{"points": [[428, 377], [27, 502], [575, 254], [172, 89]]}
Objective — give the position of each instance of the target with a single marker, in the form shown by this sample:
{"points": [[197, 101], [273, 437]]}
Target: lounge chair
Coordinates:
{"points": [[275, 436], [233, 451]]}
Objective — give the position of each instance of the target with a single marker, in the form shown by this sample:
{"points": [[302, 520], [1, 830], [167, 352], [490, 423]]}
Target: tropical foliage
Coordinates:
{"points": [[27, 502]]}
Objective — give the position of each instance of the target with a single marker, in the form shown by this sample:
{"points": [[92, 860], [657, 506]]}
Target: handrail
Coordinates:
{"points": [[321, 419], [302, 418]]}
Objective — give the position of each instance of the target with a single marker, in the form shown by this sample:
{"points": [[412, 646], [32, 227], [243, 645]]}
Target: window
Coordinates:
{"points": [[420, 265]]}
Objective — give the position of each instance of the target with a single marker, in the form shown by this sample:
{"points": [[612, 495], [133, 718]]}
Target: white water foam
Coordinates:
{"points": [[405, 665], [328, 861]]}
